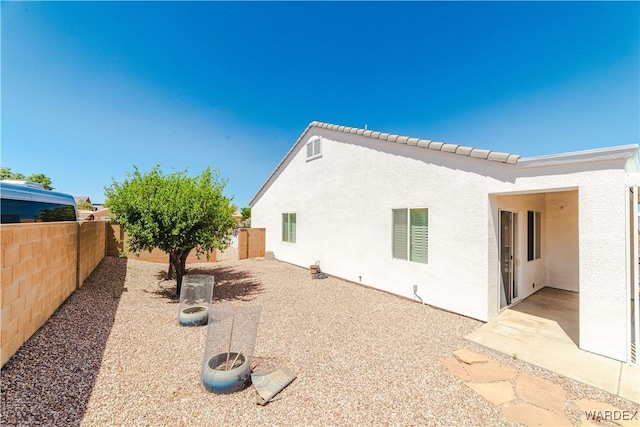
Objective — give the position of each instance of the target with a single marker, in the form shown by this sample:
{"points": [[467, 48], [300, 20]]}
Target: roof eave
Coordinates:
{"points": [[477, 153], [599, 154]]}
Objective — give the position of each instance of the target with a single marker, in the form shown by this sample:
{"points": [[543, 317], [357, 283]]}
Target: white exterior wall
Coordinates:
{"points": [[530, 275], [561, 241], [558, 266], [604, 321], [344, 200], [344, 203]]}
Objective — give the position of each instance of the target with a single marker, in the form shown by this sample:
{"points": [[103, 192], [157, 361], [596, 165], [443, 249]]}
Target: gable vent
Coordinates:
{"points": [[314, 148]]}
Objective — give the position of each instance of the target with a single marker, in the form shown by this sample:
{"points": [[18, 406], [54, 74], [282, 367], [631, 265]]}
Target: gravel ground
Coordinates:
{"points": [[114, 354]]}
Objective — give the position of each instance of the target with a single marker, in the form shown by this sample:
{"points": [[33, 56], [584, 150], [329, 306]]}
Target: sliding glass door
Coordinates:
{"points": [[508, 233]]}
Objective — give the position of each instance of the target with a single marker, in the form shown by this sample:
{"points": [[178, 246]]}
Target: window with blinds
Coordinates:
{"points": [[289, 227], [411, 234], [400, 234], [314, 148]]}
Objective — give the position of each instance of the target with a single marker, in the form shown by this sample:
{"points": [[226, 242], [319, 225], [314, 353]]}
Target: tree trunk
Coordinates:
{"points": [[179, 261], [172, 261]]}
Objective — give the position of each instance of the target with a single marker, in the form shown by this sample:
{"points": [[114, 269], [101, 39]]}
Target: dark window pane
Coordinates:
{"points": [[530, 235]]}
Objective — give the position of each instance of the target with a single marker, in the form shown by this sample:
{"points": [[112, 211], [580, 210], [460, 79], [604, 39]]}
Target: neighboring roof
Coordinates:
{"points": [[102, 214], [478, 153], [80, 199]]}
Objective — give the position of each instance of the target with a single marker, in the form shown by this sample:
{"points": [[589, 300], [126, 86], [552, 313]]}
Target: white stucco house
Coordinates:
{"points": [[471, 230]]}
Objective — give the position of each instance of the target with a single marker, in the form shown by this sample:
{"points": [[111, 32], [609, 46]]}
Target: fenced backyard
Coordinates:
{"points": [[44, 263], [115, 354]]}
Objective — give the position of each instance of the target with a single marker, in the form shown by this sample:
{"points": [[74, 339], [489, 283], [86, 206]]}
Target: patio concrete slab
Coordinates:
{"points": [[629, 379], [548, 339]]}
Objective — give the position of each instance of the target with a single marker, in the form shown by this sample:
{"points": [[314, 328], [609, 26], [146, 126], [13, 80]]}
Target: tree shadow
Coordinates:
{"points": [[166, 287], [167, 293], [50, 378], [230, 284]]}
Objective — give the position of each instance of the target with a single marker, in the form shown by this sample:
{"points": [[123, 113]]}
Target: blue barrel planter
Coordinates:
{"points": [[194, 316], [196, 296], [217, 378]]}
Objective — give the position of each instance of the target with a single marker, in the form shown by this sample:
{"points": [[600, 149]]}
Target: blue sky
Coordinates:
{"points": [[91, 88]]}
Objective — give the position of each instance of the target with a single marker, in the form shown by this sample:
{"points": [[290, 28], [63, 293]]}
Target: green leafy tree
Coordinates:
{"points": [[7, 173], [85, 206], [42, 179], [246, 213], [246, 216], [174, 213]]}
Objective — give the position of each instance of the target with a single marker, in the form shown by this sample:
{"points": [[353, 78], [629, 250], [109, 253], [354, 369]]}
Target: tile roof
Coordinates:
{"points": [[478, 153]]}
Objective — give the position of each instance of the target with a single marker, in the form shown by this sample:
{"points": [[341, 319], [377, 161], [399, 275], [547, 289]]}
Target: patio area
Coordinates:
{"points": [[543, 329], [114, 354]]}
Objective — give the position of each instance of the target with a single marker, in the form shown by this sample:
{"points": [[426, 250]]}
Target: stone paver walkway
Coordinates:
{"points": [[543, 330], [524, 398]]}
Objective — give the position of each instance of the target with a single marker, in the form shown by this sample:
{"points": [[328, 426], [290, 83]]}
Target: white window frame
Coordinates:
{"points": [[289, 229], [534, 231], [408, 254], [313, 148]]}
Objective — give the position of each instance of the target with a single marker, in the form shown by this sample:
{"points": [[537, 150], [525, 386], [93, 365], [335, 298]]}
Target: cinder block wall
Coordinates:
{"points": [[39, 263], [115, 236], [115, 239], [251, 243], [92, 248]]}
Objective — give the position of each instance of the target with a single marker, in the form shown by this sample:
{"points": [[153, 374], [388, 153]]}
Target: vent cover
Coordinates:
{"points": [[314, 148]]}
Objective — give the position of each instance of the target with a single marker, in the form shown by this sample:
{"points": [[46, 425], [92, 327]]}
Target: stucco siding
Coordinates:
{"points": [[561, 244], [344, 201], [604, 325], [601, 244]]}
